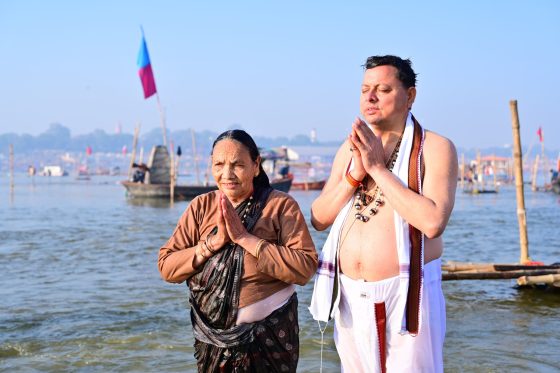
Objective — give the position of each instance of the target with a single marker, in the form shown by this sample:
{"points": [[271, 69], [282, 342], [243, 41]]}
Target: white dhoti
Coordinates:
{"points": [[362, 348], [409, 308]]}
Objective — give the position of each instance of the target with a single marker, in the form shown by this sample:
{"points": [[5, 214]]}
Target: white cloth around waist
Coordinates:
{"points": [[260, 310], [386, 290]]}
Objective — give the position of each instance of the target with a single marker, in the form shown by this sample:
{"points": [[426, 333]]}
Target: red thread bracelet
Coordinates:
{"points": [[355, 183]]}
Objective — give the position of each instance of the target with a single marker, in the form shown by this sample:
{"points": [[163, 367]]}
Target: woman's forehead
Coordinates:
{"points": [[230, 149]]}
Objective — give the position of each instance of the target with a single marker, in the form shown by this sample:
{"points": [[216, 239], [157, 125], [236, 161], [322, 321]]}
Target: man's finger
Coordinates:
{"points": [[356, 140]]}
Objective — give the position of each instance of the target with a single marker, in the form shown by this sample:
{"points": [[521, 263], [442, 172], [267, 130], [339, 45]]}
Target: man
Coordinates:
{"points": [[388, 198]]}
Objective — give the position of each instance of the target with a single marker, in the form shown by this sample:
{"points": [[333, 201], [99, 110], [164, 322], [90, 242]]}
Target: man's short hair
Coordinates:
{"points": [[405, 74]]}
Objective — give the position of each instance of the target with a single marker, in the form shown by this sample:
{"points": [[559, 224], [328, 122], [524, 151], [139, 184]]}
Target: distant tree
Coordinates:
{"points": [[300, 140], [55, 137]]}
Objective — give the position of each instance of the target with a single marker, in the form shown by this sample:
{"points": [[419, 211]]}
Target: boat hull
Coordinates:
{"points": [[140, 190], [310, 185], [556, 186]]}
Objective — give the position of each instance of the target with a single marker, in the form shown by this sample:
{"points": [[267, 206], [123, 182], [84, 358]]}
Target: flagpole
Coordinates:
{"points": [[161, 113], [162, 120], [544, 159]]}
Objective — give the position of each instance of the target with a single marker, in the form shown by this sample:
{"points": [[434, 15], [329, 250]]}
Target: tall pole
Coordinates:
{"points": [[494, 173], [544, 160], [171, 173], [133, 155], [479, 172], [194, 157], [462, 170], [534, 176], [162, 120], [11, 168], [521, 214]]}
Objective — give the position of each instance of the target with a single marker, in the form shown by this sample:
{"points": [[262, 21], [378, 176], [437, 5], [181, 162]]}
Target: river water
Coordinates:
{"points": [[80, 289]]}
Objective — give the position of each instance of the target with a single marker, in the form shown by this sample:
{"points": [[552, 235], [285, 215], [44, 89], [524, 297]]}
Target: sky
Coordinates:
{"points": [[278, 68]]}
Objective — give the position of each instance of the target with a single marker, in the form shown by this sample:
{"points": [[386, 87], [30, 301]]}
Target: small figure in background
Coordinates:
{"points": [[284, 171], [553, 175], [140, 173]]}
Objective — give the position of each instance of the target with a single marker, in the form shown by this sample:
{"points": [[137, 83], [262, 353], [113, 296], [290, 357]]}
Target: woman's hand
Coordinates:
{"points": [[218, 240], [232, 224]]}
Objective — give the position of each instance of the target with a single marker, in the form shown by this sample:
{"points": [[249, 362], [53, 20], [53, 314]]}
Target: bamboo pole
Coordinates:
{"points": [[494, 173], [534, 174], [171, 173], [133, 154], [462, 171], [208, 171], [452, 266], [498, 275], [479, 172], [544, 160], [195, 159], [521, 214], [553, 280], [459, 266], [11, 168]]}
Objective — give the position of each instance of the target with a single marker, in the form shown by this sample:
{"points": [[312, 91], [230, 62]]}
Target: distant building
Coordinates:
{"points": [[313, 136]]}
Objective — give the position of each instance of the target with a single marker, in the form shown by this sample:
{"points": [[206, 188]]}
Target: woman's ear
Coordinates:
{"points": [[258, 162]]}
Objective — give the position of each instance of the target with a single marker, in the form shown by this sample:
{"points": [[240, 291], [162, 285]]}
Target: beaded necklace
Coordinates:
{"points": [[247, 209], [364, 199]]}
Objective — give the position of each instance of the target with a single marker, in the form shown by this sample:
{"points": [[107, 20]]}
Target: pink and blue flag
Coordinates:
{"points": [[145, 70]]}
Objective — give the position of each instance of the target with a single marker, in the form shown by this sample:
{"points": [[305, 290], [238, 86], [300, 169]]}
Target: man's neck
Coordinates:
{"points": [[389, 132]]}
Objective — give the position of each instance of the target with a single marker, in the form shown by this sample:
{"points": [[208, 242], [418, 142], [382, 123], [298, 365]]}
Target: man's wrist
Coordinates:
{"points": [[376, 170], [352, 181]]}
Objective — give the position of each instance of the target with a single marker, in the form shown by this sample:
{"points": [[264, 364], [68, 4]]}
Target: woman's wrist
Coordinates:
{"points": [[201, 255], [249, 243], [208, 242], [259, 247]]}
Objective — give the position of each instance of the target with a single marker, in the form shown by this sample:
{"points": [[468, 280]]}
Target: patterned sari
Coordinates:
{"points": [[269, 345]]}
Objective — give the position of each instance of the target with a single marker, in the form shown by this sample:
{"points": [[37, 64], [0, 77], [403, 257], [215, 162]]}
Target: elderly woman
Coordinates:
{"points": [[241, 249]]}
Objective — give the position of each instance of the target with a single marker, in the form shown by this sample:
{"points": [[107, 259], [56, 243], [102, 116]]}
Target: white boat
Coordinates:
{"points": [[53, 171]]}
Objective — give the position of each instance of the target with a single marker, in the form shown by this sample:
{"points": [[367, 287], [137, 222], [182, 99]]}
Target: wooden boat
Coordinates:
{"points": [[476, 179], [475, 190], [154, 183], [556, 185], [308, 185], [141, 190]]}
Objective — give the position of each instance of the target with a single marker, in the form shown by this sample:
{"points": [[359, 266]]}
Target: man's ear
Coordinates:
{"points": [[411, 97]]}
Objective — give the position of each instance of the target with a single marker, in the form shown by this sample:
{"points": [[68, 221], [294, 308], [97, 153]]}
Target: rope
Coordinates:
{"points": [[322, 330]]}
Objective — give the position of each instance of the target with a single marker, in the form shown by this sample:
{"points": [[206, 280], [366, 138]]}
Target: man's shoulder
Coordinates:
{"points": [[436, 143]]}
